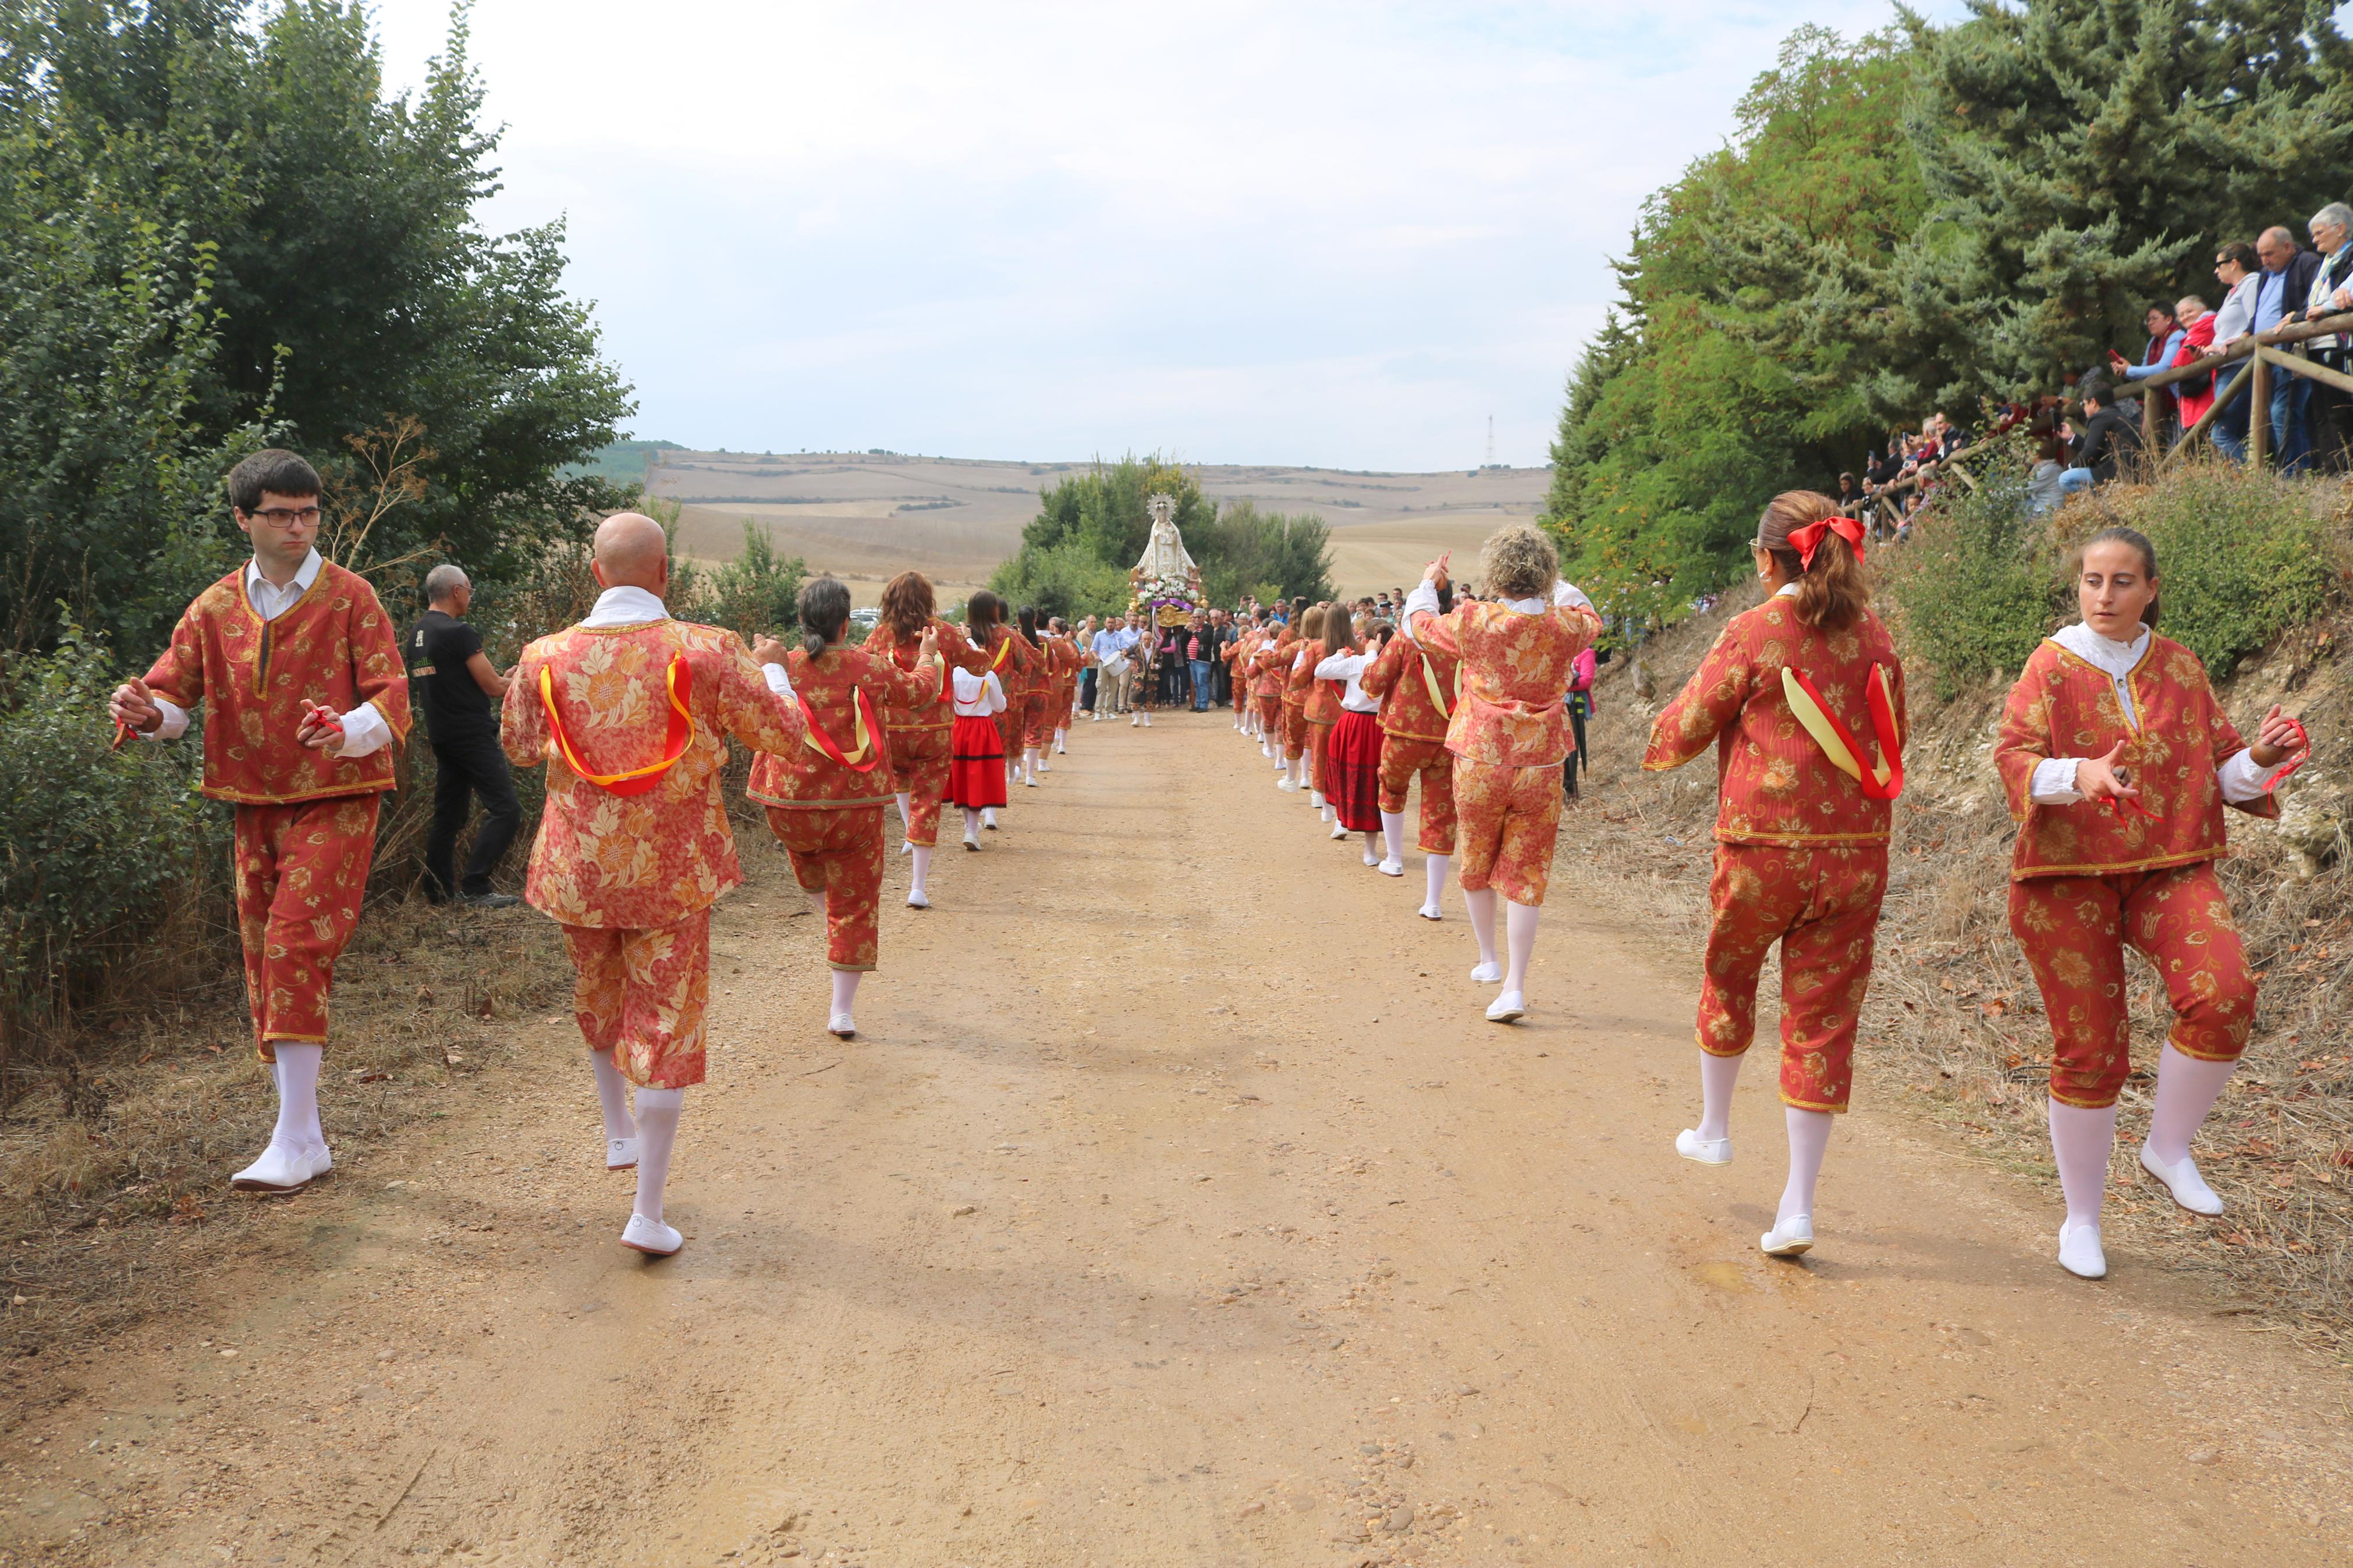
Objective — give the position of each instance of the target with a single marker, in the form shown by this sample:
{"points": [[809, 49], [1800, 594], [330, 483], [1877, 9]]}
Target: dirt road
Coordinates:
{"points": [[1178, 1207]]}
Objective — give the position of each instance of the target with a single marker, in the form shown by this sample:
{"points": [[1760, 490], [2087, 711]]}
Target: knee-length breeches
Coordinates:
{"points": [[919, 762], [837, 851], [1822, 904], [2074, 930], [1295, 731], [1036, 732], [1319, 741], [301, 872], [1270, 714], [1506, 821], [1401, 760], [643, 995]]}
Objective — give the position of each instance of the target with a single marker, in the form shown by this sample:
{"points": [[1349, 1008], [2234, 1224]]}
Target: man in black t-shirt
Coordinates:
{"points": [[451, 683]]}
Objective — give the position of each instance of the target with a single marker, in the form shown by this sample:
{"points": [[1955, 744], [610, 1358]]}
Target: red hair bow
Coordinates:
{"points": [[1806, 540]]}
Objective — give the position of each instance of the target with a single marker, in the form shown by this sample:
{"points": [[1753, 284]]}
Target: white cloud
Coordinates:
{"points": [[1335, 234]]}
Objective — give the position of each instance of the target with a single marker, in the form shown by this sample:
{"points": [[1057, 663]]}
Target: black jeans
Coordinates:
{"points": [[466, 765], [1569, 765], [1087, 689]]}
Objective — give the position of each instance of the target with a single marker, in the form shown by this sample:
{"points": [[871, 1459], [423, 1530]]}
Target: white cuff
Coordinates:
{"points": [[2054, 781], [175, 724], [364, 731], [1565, 592], [778, 681], [2241, 780], [1423, 597]]}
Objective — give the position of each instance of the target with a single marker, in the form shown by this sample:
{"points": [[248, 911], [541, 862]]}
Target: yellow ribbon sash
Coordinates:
{"points": [[1881, 781]]}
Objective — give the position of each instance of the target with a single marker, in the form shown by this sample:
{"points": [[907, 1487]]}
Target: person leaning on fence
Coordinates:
{"points": [[2327, 410], [453, 686], [298, 670]]}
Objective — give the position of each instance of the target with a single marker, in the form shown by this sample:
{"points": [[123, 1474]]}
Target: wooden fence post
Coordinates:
{"points": [[2259, 410]]}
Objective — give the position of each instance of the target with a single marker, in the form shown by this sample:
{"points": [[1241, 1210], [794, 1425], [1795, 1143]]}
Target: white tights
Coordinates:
{"points": [[658, 1112], [923, 868], [298, 1096], [2079, 1142], [2187, 1089], [612, 1097], [1393, 835], [1809, 1131], [1435, 868], [845, 989]]}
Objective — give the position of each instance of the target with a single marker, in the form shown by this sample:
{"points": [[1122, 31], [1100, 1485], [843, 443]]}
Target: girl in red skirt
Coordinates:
{"points": [[1352, 758], [976, 751]]}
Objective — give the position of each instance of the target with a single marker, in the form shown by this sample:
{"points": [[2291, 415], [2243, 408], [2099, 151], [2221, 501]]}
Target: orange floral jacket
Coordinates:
{"points": [[1270, 664], [1515, 670], [1773, 782], [1401, 678], [940, 712], [634, 862], [1299, 674], [803, 777], [2062, 707], [334, 646]]}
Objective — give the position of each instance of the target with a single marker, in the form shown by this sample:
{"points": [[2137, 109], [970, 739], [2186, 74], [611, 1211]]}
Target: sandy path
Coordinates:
{"points": [[1177, 1208]]}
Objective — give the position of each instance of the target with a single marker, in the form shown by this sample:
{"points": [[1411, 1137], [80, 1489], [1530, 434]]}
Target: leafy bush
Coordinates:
{"points": [[757, 591], [2240, 554], [1975, 583], [1068, 579], [98, 849]]}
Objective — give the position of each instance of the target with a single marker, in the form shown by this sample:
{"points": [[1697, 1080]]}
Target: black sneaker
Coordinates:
{"points": [[489, 901]]}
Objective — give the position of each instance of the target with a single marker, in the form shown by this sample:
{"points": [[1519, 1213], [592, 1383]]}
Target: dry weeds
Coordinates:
{"points": [[1954, 1023]]}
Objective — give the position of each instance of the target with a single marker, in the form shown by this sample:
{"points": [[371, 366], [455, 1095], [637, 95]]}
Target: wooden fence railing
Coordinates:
{"points": [[2257, 354]]}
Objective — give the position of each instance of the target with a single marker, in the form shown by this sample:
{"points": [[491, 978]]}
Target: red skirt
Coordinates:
{"points": [[976, 763], [1352, 771]]}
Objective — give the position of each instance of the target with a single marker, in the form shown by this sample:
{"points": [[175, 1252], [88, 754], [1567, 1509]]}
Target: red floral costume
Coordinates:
{"points": [[1015, 664], [1298, 680], [1801, 850], [1268, 666], [1509, 733], [631, 877], [2086, 881], [1413, 734], [919, 736], [305, 829], [825, 797]]}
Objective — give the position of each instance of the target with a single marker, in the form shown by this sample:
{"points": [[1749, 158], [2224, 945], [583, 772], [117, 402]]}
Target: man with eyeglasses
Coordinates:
{"points": [[298, 670]]}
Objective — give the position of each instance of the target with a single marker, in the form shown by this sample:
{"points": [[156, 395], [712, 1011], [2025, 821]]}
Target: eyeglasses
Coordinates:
{"points": [[280, 516]]}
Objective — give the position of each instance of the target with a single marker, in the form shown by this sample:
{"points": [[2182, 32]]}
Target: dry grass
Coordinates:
{"points": [[1954, 1023], [167, 1107]]}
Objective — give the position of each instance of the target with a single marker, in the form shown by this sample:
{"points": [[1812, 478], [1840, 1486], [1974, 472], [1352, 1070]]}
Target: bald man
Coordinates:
{"points": [[452, 686], [631, 711]]}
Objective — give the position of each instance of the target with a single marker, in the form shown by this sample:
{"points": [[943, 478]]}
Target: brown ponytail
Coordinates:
{"points": [[1834, 592]]}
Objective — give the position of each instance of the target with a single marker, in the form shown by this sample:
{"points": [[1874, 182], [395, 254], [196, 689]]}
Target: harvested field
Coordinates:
{"points": [[868, 517]]}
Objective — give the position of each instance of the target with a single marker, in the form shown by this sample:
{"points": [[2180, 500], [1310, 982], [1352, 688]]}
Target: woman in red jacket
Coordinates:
{"points": [[1804, 803], [2119, 761]]}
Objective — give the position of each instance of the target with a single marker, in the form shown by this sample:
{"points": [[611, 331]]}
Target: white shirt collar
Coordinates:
{"points": [[305, 576], [625, 607], [1525, 607], [1785, 591], [2115, 657]]}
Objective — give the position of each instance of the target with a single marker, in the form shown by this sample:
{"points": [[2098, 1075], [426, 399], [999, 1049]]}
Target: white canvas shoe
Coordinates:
{"points": [[281, 1169], [650, 1237], [972, 841], [1371, 858], [1429, 911], [2184, 1181], [2079, 1251], [918, 900], [1283, 783], [1487, 973], [989, 818], [1788, 1236], [1338, 831], [1510, 1007], [1315, 797], [1706, 1150], [620, 1153], [906, 846], [1392, 869], [322, 1160], [841, 1028]]}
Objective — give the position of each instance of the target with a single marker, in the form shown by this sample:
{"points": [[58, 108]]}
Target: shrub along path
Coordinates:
{"points": [[1186, 1212]]}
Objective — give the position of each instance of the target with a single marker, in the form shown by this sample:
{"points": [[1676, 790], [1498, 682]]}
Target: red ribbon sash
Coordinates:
{"points": [[862, 711]]}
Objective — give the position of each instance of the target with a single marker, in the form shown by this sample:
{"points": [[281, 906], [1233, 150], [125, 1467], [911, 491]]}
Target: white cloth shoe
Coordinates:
{"points": [[840, 1025], [1029, 781], [1788, 1236], [1429, 911], [1371, 858], [1284, 783], [906, 847], [918, 900], [281, 1169], [1706, 1150], [2182, 1179], [1338, 831], [650, 1237], [1487, 973], [1508, 1008], [1392, 868], [2079, 1251], [989, 818], [321, 1160], [620, 1153], [971, 840]]}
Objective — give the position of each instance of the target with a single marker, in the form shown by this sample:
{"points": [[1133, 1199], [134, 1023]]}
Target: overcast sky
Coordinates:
{"points": [[1341, 235]]}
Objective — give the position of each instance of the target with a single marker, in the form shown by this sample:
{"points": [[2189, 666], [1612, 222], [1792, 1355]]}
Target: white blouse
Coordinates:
{"points": [[978, 696], [1349, 667]]}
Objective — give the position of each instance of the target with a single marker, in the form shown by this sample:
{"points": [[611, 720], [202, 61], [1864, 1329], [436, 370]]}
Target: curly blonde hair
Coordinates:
{"points": [[1519, 561]]}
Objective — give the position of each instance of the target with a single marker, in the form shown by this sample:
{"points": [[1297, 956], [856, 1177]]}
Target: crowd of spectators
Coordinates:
{"points": [[2099, 426]]}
